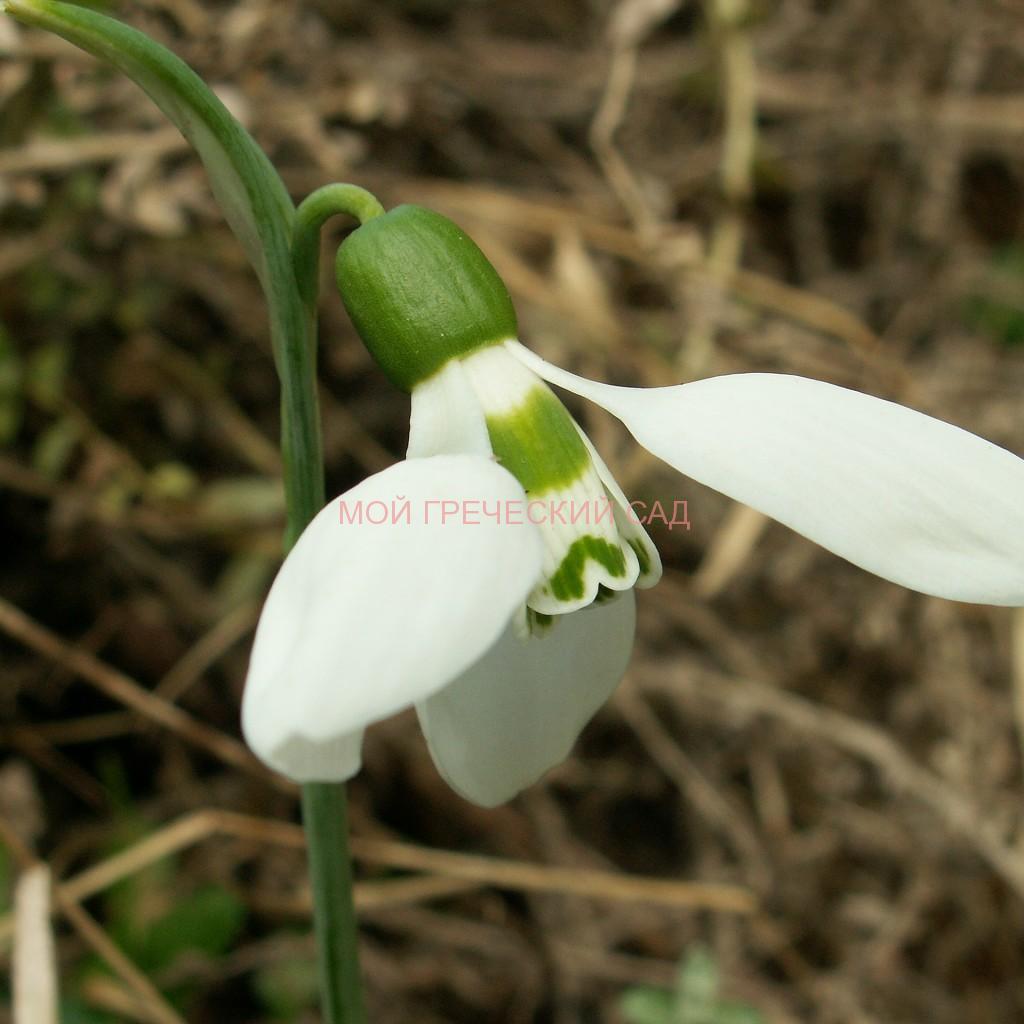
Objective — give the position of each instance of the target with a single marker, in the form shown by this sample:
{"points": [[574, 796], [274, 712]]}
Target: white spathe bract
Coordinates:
{"points": [[905, 496], [365, 619]]}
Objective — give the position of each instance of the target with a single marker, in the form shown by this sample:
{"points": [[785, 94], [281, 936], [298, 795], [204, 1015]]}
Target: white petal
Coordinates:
{"points": [[627, 521], [584, 549], [517, 712], [570, 582], [447, 417], [500, 381], [908, 497], [306, 759], [366, 619]]}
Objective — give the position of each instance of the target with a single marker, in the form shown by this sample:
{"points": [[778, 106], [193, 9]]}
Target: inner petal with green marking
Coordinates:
{"points": [[533, 436]]}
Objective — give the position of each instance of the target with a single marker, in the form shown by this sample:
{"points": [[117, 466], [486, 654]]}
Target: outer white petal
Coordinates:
{"points": [[908, 497], [517, 712], [366, 619]]}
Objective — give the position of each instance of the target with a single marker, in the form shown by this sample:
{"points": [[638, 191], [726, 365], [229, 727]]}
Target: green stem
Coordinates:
{"points": [[324, 816], [310, 217], [324, 805]]}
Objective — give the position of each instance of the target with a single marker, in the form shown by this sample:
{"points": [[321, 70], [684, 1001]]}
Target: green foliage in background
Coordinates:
{"points": [[12, 404], [288, 989], [156, 923], [694, 1000], [997, 307]]}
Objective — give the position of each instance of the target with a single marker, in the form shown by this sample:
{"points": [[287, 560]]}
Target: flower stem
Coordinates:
{"points": [[310, 217], [325, 818], [324, 805]]}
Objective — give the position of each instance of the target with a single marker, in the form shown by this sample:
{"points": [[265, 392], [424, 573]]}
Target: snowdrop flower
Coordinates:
{"points": [[488, 579]]}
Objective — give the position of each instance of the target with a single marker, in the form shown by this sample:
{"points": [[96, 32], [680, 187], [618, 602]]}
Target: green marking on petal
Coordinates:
{"points": [[642, 556], [538, 623], [538, 444], [568, 580]]}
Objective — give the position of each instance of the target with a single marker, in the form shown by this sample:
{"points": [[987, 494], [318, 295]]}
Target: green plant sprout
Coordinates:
{"points": [[488, 579], [694, 1000]]}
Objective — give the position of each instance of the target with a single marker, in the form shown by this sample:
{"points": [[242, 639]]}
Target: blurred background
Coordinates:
{"points": [[671, 190]]}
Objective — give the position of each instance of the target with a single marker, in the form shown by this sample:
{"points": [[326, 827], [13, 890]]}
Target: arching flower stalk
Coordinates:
{"points": [[508, 629]]}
